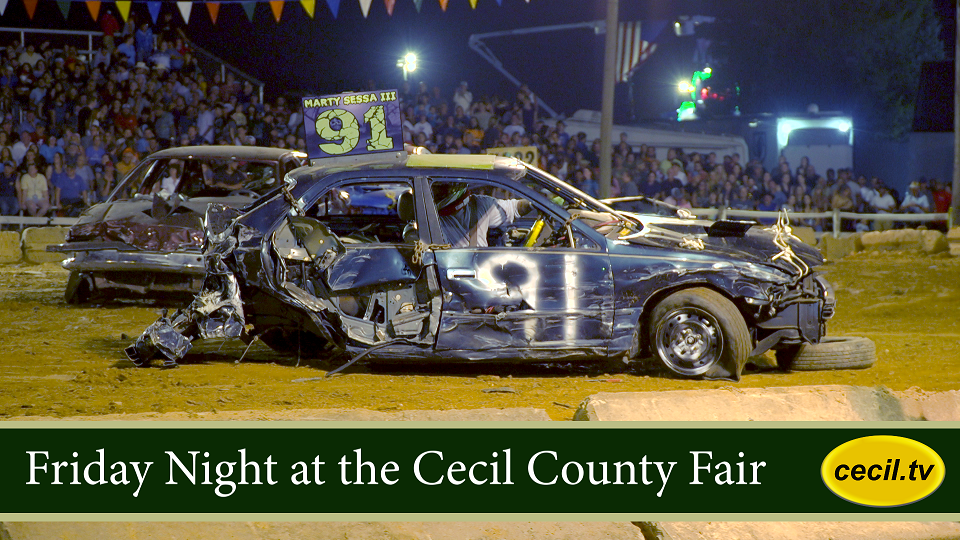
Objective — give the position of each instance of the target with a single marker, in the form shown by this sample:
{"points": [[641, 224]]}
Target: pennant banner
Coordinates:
{"points": [[249, 8], [334, 6], [419, 4], [277, 7], [365, 7], [123, 6], [443, 4], [185, 8], [3, 6], [214, 9], [154, 9], [31, 6], [310, 6], [473, 4], [389, 4], [94, 8], [64, 6]]}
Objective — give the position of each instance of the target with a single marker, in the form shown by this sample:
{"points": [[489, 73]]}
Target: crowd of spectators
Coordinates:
{"points": [[72, 125], [461, 124]]}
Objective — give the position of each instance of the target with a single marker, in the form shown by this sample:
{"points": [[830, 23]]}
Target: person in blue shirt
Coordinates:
{"points": [[70, 190], [129, 50], [144, 42]]}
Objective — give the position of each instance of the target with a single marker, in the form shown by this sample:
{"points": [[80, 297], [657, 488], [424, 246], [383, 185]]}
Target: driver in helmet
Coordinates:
{"points": [[465, 218]]}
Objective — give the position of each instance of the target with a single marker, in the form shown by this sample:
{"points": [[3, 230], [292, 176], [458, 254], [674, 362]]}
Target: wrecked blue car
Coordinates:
{"points": [[419, 258]]}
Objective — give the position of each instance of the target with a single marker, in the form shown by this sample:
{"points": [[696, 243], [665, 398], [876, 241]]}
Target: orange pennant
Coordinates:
{"points": [[443, 4], [31, 6], [277, 7], [94, 8], [390, 4], [214, 9]]}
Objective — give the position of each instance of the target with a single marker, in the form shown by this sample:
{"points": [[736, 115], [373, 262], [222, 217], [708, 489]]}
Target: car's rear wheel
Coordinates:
{"points": [[833, 352], [694, 330]]}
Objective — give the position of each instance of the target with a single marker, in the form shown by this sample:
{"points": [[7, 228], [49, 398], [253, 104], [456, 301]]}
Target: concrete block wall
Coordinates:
{"points": [[31, 245]]}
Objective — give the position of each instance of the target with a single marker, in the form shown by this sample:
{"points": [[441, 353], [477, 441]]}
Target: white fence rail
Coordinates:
{"points": [[710, 213]]}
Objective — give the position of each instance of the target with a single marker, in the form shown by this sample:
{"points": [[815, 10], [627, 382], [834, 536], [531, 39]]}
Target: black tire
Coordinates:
{"points": [[79, 288], [833, 352], [717, 342]]}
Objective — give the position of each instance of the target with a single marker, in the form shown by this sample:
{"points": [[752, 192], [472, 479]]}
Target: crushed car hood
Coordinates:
{"points": [[756, 245], [152, 225]]}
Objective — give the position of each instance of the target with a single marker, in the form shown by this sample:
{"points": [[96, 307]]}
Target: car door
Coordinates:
{"points": [[377, 284], [548, 300]]}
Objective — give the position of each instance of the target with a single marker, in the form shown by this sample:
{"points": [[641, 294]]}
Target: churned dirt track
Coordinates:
{"points": [[59, 360]]}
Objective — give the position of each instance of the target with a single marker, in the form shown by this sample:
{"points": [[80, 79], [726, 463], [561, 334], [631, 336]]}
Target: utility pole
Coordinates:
{"points": [[955, 200], [606, 112]]}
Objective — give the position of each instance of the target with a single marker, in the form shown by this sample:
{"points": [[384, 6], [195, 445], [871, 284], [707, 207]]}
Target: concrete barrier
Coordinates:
{"points": [[834, 249], [36, 240], [905, 240], [806, 234], [324, 530], [808, 530], [10, 250], [518, 414], [801, 403], [953, 239]]}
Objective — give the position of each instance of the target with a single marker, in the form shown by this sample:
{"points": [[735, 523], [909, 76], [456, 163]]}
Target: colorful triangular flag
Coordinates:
{"points": [[123, 6], [473, 4], [277, 7], [249, 8], [443, 4], [310, 6], [64, 6], [31, 6], [154, 9], [94, 8], [389, 4], [334, 6], [214, 9], [3, 6], [185, 8], [365, 7], [419, 4], [500, 2]]}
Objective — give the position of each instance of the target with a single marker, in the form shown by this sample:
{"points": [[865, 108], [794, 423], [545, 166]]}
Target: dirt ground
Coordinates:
{"points": [[60, 360]]}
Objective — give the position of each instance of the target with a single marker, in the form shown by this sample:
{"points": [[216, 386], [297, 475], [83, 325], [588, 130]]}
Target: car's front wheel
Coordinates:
{"points": [[697, 332]]}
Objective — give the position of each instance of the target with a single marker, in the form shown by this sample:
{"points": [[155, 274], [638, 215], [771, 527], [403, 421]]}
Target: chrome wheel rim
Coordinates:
{"points": [[689, 341]]}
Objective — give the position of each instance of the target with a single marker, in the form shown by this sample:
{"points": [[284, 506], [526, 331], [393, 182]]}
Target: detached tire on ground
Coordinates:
{"points": [[699, 333], [833, 352]]}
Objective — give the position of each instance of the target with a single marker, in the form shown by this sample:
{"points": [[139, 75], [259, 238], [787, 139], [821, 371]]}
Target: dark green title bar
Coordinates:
{"points": [[326, 469]]}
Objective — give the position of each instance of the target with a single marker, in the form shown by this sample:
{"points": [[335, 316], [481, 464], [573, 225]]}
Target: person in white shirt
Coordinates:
{"points": [[463, 97], [915, 202]]}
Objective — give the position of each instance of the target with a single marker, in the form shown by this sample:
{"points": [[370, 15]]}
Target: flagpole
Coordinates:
{"points": [[606, 113]]}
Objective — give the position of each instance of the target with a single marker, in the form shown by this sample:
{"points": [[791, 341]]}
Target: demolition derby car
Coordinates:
{"points": [[421, 258], [147, 236], [391, 254]]}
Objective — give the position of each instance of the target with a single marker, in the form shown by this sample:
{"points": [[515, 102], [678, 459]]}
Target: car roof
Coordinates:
{"points": [[241, 153], [401, 160]]}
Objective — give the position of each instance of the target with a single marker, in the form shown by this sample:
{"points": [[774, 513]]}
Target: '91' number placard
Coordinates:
{"points": [[352, 124]]}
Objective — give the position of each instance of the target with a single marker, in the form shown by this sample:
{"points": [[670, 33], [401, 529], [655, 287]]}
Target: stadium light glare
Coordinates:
{"points": [[408, 64]]}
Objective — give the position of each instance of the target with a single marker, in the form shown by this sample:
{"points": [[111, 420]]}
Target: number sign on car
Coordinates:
{"points": [[352, 124]]}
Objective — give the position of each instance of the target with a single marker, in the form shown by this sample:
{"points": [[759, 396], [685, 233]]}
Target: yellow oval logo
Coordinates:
{"points": [[882, 471]]}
